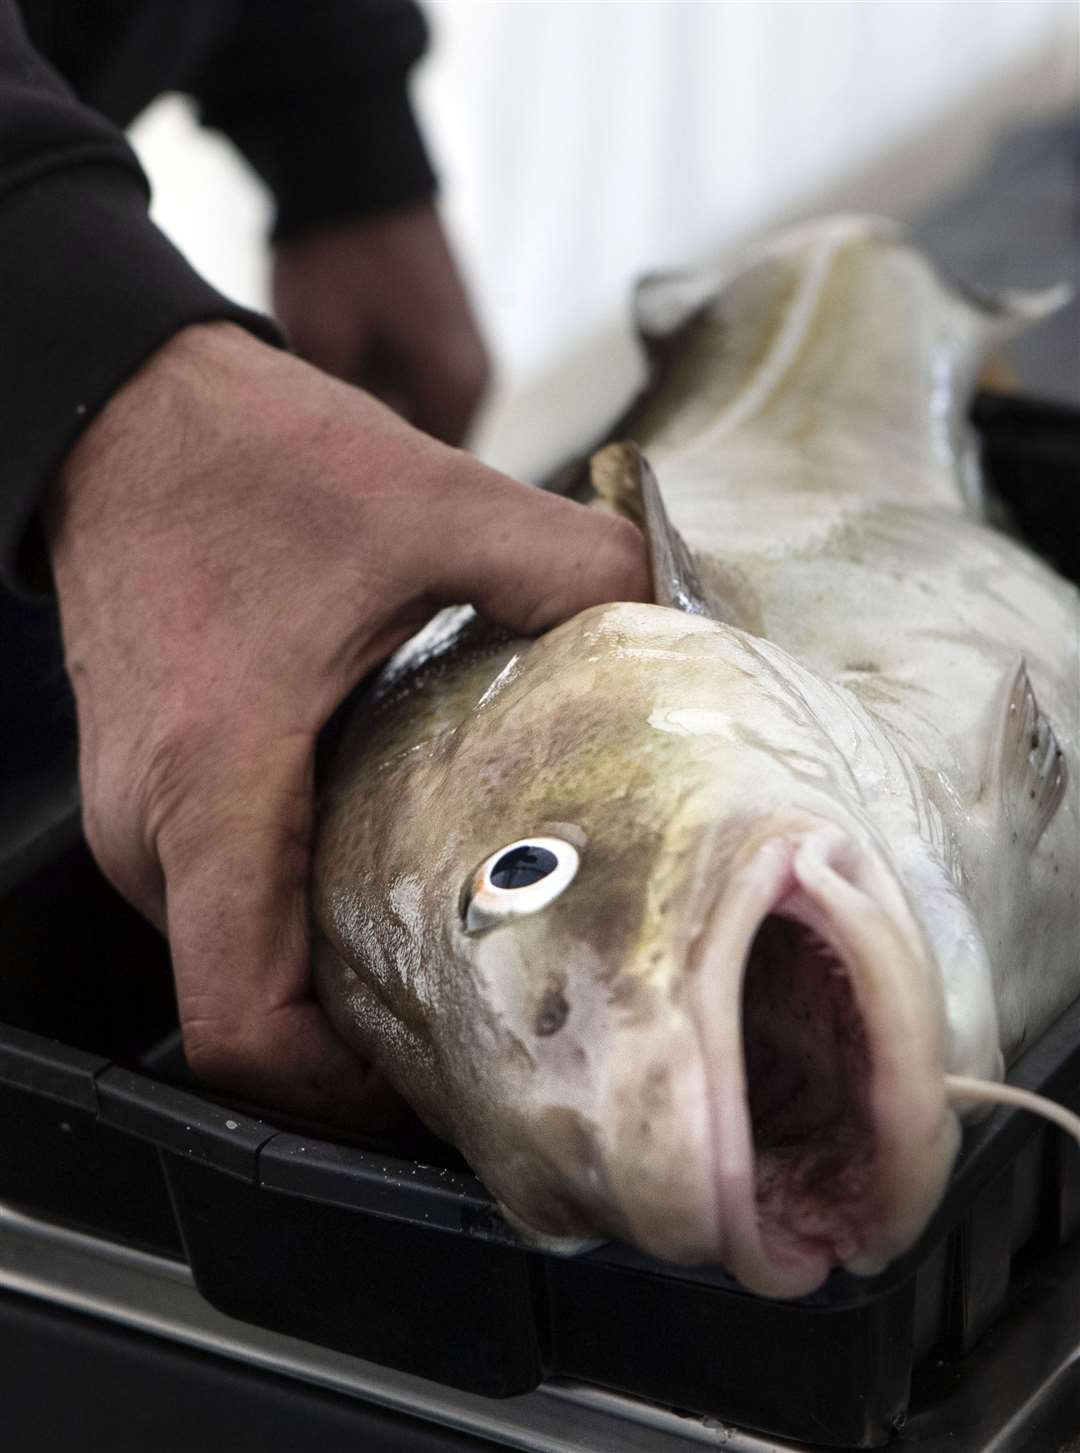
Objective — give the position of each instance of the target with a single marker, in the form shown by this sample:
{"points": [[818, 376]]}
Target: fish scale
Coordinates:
{"points": [[824, 721]]}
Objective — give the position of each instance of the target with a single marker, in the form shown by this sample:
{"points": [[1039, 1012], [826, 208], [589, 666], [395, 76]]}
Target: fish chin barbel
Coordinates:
{"points": [[691, 923]]}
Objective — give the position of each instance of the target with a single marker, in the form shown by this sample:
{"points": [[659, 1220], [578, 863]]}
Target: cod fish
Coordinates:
{"points": [[691, 922]]}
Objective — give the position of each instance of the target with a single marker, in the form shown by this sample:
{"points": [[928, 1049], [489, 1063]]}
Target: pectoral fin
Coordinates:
{"points": [[622, 476], [1028, 773]]}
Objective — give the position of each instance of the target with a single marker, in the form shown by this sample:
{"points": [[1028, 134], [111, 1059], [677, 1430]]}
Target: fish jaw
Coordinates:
{"points": [[844, 1018]]}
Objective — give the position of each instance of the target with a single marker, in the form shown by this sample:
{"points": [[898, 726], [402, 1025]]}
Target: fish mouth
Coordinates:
{"points": [[822, 1038]]}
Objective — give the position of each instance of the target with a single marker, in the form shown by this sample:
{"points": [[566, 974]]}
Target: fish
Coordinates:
{"points": [[704, 924]]}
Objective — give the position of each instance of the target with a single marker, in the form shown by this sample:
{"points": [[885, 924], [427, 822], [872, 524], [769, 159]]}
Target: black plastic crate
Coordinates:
{"points": [[398, 1255]]}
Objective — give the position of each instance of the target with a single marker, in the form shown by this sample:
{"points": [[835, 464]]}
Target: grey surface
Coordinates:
{"points": [[1016, 223], [1018, 1393], [153, 1295]]}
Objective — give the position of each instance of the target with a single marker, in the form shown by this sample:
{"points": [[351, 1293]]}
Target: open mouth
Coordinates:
{"points": [[808, 1081], [823, 1050]]}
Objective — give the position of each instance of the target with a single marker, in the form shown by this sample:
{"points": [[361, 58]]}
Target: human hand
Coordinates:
{"points": [[236, 541], [380, 303]]}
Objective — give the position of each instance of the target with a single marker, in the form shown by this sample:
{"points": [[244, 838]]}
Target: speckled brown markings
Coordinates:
{"points": [[599, 1060]]}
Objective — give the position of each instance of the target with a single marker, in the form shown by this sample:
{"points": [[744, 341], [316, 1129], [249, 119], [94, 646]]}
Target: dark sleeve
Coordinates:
{"points": [[315, 97], [89, 288]]}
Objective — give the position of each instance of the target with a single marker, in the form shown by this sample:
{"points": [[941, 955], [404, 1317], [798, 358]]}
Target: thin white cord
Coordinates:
{"points": [[961, 1087]]}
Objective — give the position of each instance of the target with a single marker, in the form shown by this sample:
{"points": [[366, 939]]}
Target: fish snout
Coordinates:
{"points": [[821, 1029], [784, 1113], [801, 1122]]}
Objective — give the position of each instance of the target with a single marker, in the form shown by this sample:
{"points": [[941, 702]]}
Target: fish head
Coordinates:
{"points": [[628, 933]]}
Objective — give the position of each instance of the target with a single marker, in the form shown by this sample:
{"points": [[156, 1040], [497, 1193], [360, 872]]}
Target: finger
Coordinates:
{"points": [[525, 558], [235, 854]]}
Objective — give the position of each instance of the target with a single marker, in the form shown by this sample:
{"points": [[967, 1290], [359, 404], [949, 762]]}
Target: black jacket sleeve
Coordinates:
{"points": [[89, 288], [314, 95]]}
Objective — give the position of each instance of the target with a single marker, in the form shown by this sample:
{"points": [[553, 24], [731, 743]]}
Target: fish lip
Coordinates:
{"points": [[815, 872]]}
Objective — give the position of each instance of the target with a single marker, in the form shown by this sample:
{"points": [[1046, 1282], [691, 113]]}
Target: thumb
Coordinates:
{"points": [[235, 852], [526, 558]]}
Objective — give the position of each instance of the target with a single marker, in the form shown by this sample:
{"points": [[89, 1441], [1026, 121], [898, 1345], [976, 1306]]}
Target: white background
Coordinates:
{"points": [[581, 144]]}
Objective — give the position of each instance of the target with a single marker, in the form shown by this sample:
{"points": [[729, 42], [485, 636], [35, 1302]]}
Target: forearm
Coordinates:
{"points": [[90, 288], [316, 98]]}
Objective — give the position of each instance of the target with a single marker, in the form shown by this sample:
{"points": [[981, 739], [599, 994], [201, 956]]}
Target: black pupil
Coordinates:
{"points": [[521, 867]]}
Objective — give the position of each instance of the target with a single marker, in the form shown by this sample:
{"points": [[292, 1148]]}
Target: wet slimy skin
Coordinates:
{"points": [[810, 826]]}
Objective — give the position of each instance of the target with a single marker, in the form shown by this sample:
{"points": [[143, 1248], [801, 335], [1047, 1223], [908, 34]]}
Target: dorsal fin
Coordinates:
{"points": [[1028, 773], [623, 477]]}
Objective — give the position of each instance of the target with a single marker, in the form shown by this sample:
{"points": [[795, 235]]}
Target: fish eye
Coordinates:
{"points": [[522, 866], [521, 878]]}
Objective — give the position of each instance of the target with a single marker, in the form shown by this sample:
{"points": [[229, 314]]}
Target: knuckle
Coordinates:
{"points": [[168, 794], [113, 832], [165, 777], [141, 801], [217, 1051], [229, 1053]]}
